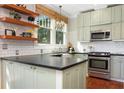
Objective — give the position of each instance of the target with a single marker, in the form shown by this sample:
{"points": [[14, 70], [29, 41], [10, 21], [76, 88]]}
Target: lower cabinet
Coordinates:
{"points": [[21, 76], [75, 78], [117, 68]]}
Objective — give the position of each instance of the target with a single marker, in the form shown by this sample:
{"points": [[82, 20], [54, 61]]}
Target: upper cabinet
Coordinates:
{"points": [[102, 16], [116, 31], [122, 12], [116, 14], [80, 20], [83, 19], [107, 19], [105, 16], [95, 17], [86, 19], [84, 34]]}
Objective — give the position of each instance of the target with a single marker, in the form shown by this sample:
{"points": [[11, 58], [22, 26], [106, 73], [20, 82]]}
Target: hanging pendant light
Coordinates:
{"points": [[59, 24]]}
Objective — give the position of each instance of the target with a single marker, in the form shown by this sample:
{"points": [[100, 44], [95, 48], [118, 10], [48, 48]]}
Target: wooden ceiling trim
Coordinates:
{"points": [[49, 12]]}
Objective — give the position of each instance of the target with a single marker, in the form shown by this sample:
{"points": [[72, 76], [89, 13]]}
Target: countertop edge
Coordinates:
{"points": [[50, 67]]}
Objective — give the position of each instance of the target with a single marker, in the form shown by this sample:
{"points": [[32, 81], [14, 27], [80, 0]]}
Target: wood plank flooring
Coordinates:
{"points": [[96, 83]]}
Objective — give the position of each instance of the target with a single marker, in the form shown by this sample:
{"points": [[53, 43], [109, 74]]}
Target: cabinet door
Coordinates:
{"points": [[122, 31], [8, 75], [28, 77], [122, 69], [116, 67], [18, 76], [45, 78], [116, 31], [86, 19], [23, 76], [116, 14], [80, 20], [67, 79], [80, 33], [105, 16], [95, 17], [86, 34], [122, 12]]}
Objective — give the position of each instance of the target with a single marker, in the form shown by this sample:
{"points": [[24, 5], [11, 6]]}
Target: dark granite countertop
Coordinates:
{"points": [[117, 54], [50, 61]]}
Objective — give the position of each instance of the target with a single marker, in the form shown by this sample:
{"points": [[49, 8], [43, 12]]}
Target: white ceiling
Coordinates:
{"points": [[71, 10]]}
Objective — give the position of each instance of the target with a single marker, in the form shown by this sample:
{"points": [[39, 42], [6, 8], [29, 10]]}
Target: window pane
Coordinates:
{"points": [[44, 35], [59, 37]]}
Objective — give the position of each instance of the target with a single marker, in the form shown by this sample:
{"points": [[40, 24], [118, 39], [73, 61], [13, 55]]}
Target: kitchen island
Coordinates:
{"points": [[44, 71]]}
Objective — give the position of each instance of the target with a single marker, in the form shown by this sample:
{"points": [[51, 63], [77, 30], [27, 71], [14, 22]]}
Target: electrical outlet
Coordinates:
{"points": [[41, 51], [17, 52]]}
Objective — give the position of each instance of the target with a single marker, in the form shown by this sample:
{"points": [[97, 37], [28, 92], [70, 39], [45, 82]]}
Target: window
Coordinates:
{"points": [[44, 35], [47, 33], [59, 37]]}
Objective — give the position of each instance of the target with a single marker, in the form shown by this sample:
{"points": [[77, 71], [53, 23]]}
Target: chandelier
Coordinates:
{"points": [[59, 24]]}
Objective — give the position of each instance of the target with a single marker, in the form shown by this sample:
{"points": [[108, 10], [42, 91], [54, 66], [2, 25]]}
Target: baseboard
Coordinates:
{"points": [[120, 80]]}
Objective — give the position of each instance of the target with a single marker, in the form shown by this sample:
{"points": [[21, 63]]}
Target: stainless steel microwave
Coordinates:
{"points": [[100, 35]]}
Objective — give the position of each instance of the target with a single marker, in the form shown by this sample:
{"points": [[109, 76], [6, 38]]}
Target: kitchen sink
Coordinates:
{"points": [[57, 55]]}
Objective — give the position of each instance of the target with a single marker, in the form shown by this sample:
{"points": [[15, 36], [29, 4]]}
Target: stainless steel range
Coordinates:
{"points": [[99, 64]]}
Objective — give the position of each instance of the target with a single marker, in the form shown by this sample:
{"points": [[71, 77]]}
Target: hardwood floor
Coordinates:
{"points": [[96, 83]]}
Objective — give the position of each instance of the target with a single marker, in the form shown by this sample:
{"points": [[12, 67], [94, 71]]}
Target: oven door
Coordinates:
{"points": [[99, 64]]}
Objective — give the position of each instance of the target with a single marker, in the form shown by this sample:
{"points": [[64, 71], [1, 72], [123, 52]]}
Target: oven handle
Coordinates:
{"points": [[101, 58], [98, 72]]}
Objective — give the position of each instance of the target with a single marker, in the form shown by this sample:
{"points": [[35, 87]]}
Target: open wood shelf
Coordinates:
{"points": [[19, 22], [20, 9], [17, 38]]}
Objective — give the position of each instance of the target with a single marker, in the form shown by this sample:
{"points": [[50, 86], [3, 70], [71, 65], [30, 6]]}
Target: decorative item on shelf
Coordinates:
{"points": [[10, 32], [59, 24], [26, 34], [21, 5], [15, 15], [31, 19]]}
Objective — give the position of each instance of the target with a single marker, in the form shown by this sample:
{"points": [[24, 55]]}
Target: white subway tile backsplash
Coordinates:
{"points": [[105, 46]]}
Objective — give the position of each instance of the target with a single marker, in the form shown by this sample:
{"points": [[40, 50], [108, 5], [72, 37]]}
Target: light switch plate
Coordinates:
{"points": [[17, 52]]}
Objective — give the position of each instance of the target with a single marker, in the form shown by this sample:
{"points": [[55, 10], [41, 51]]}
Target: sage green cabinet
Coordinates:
{"points": [[86, 19], [84, 34], [96, 28], [102, 16], [95, 17], [122, 31], [122, 68], [116, 14], [122, 12], [83, 19], [105, 16], [115, 67], [116, 31], [80, 20]]}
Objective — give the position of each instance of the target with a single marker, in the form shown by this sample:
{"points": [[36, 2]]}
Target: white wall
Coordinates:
{"points": [[73, 32]]}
